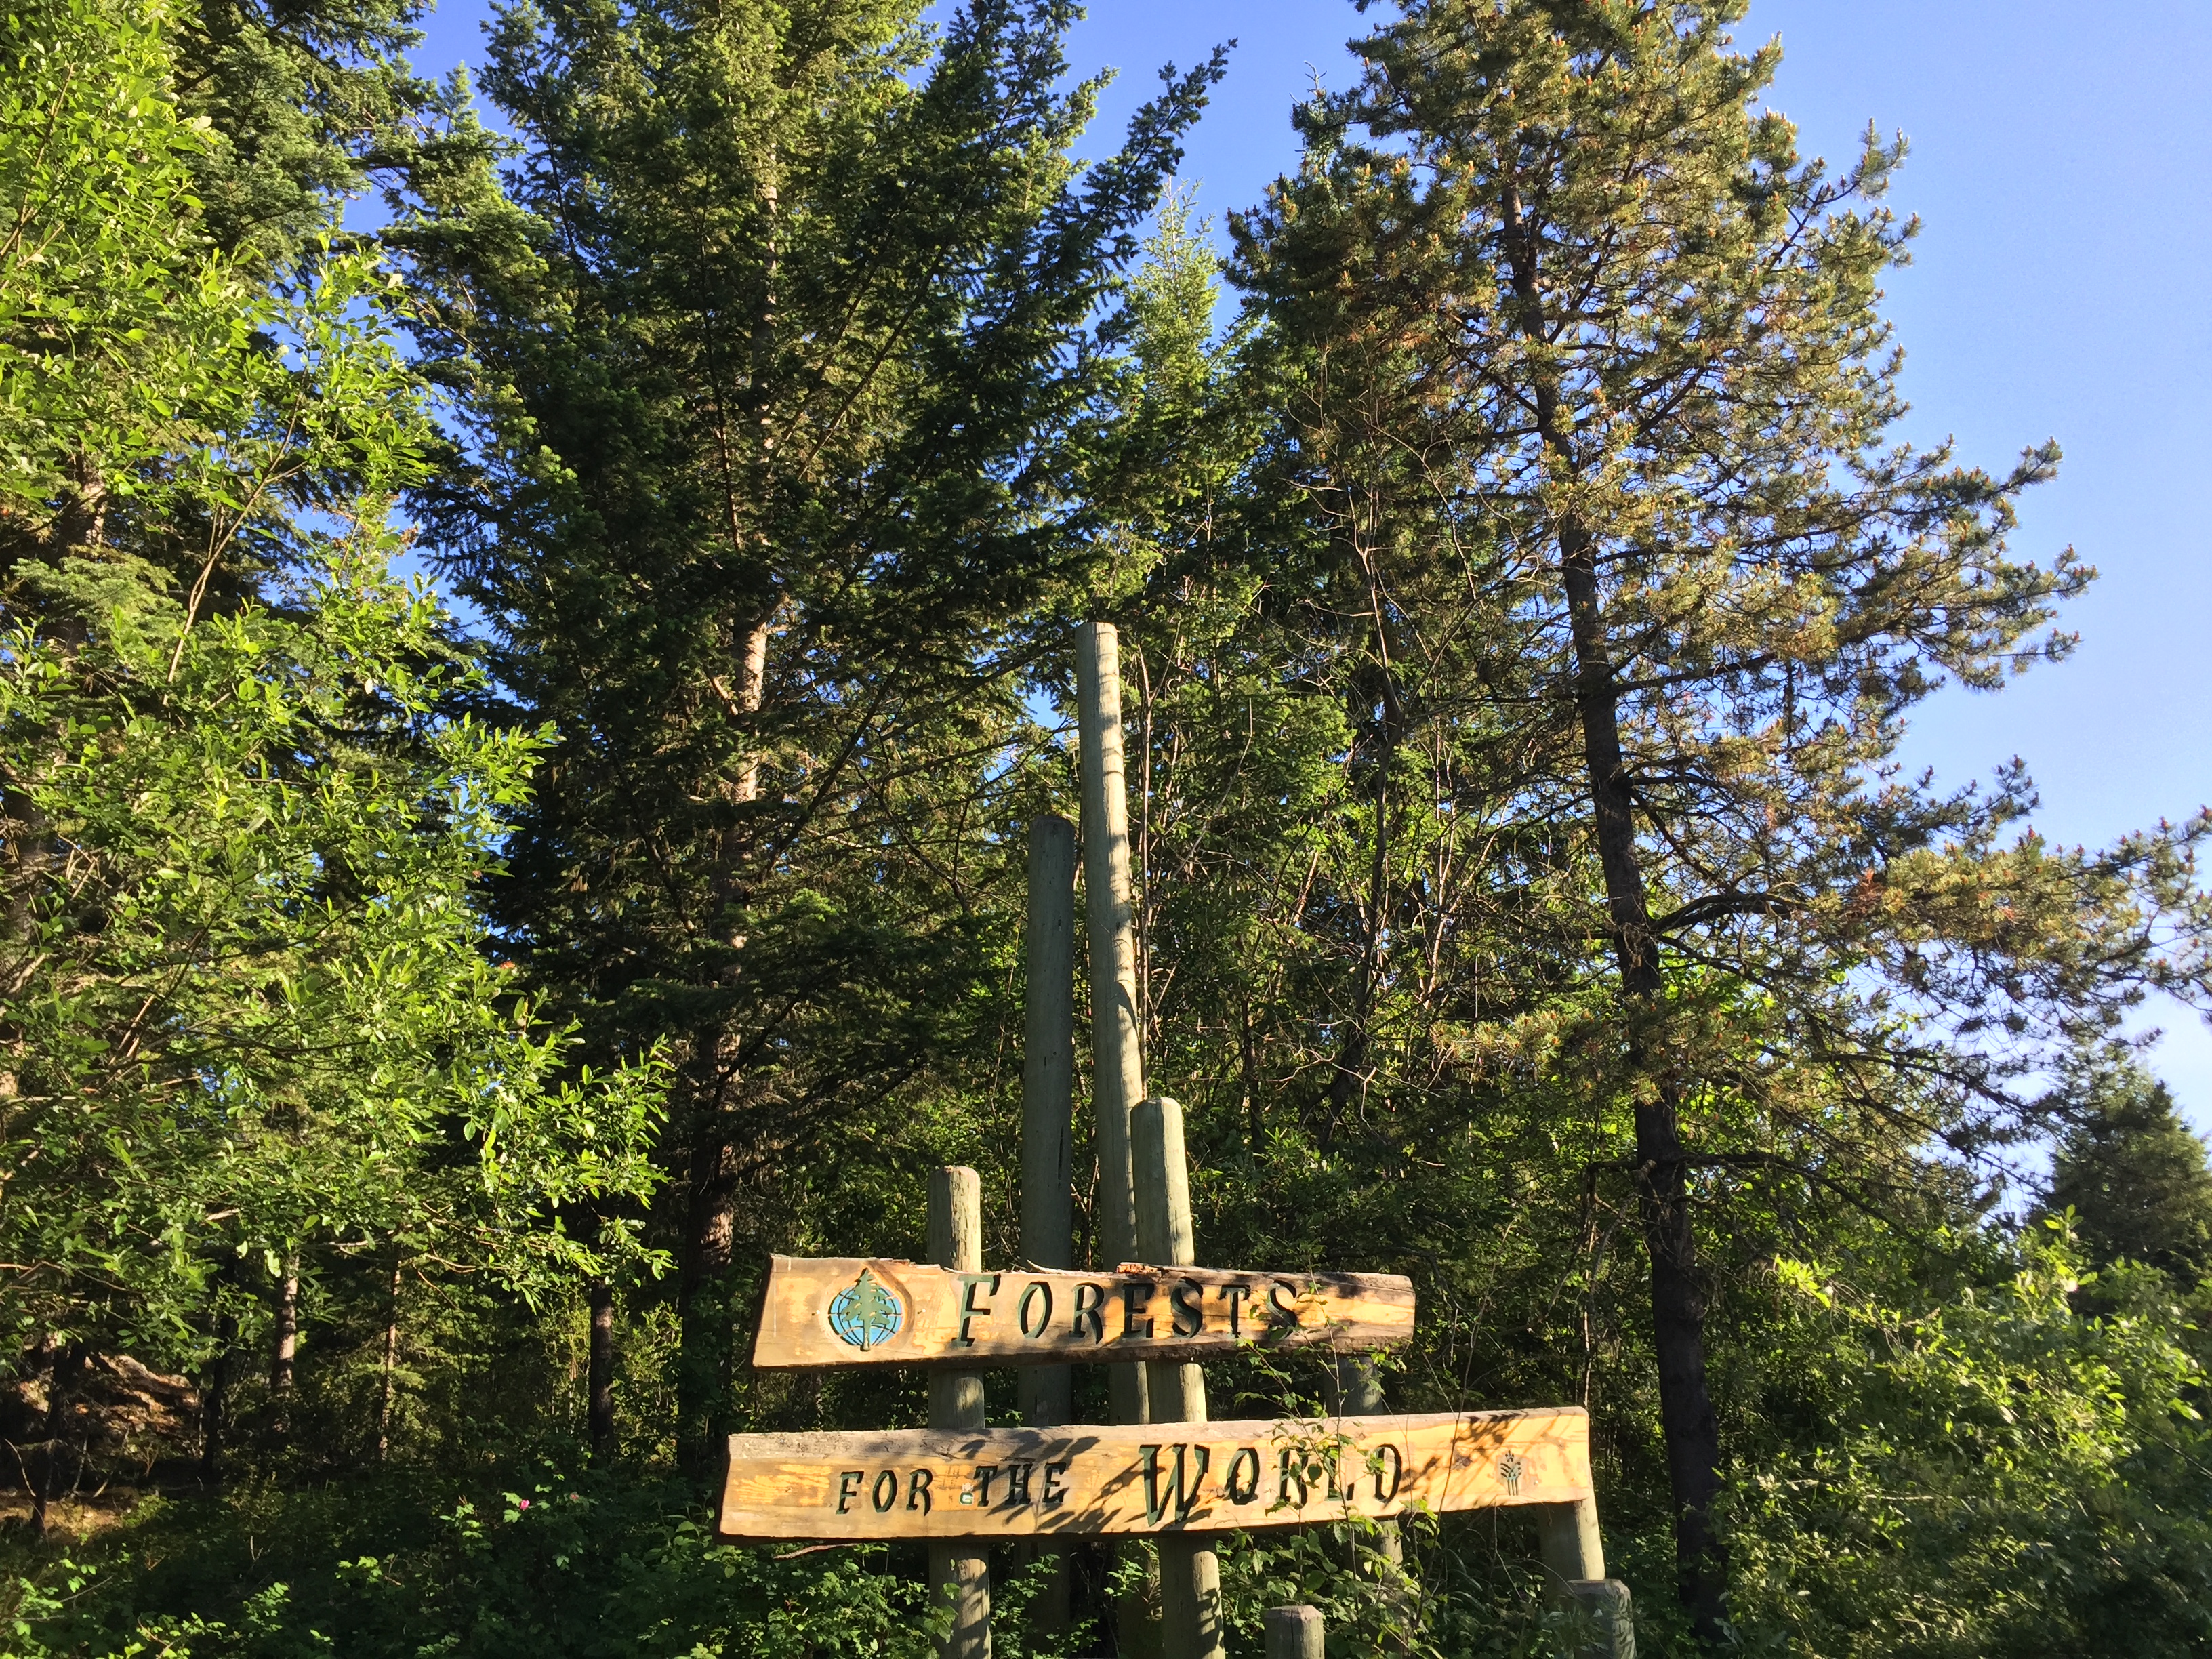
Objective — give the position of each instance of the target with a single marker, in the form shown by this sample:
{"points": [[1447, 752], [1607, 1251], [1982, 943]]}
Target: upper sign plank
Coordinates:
{"points": [[845, 1312], [1146, 1478]]}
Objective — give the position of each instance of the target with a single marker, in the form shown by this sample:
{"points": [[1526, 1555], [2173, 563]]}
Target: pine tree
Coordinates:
{"points": [[777, 393], [1628, 344], [2132, 1172]]}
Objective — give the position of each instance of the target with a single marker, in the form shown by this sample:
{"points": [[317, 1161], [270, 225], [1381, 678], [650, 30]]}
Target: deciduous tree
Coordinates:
{"points": [[249, 1026]]}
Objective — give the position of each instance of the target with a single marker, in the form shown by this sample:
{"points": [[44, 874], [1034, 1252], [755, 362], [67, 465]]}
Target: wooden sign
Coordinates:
{"points": [[1146, 1478], [846, 1311]]}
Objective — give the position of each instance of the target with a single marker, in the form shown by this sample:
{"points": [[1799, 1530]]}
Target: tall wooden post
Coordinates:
{"points": [[1570, 1540], [956, 1401], [1190, 1574], [1048, 1091], [1047, 1392], [1117, 1067]]}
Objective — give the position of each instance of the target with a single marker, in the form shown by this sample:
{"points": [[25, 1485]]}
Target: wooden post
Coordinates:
{"points": [[1165, 1238], [1117, 1067], [1190, 1574], [1048, 1091], [1572, 1548], [1047, 1392], [956, 1401], [1613, 1634], [1575, 1554], [1359, 1394], [1293, 1633]]}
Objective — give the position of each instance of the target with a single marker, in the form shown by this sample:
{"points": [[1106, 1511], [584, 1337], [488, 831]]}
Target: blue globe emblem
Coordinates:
{"points": [[866, 1313]]}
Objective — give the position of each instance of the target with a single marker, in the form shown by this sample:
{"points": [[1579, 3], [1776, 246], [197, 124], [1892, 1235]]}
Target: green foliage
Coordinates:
{"points": [[770, 392], [301, 105], [2001, 1474], [1588, 411], [108, 311], [249, 996], [164, 414], [1584, 501], [571, 1566], [251, 1032], [798, 396]]}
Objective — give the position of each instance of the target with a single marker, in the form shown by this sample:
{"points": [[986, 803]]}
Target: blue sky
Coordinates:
{"points": [[2060, 155]]}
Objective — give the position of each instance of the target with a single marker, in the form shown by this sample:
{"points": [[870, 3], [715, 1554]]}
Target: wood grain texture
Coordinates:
{"points": [[1156, 1479], [1117, 1061], [1050, 1317], [959, 1576], [1191, 1623], [1047, 1392]]}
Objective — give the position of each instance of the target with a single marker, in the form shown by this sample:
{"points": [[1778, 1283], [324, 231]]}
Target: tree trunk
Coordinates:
{"points": [[703, 1380], [704, 1316], [1678, 1296], [385, 1386], [69, 1361], [702, 1362], [1376, 687], [214, 1400], [1687, 1421], [283, 1349], [600, 1379], [1248, 1062]]}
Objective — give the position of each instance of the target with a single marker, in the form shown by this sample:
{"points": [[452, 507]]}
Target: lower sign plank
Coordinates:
{"points": [[837, 1311], [1146, 1478]]}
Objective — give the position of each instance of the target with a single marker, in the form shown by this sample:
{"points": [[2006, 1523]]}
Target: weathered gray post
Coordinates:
{"points": [[1359, 1394], [1047, 1392], [1606, 1600], [1575, 1553], [1048, 1091], [1569, 1537], [956, 1401], [1190, 1575], [1293, 1633], [1117, 1067]]}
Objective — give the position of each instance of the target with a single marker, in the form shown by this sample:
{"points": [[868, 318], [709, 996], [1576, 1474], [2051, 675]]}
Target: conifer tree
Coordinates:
{"points": [[2132, 1172], [776, 392], [302, 104], [1628, 344]]}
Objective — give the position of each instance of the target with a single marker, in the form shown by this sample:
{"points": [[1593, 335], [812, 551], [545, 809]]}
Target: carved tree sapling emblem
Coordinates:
{"points": [[1510, 1469], [866, 1313]]}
